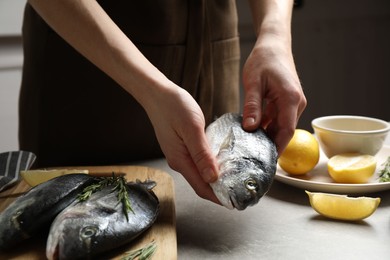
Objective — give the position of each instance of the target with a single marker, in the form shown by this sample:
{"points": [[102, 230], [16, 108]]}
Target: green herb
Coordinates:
{"points": [[384, 174], [123, 196], [144, 253], [119, 183], [87, 191]]}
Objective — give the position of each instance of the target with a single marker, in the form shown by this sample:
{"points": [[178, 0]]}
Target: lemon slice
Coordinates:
{"points": [[35, 177], [343, 207], [351, 167]]}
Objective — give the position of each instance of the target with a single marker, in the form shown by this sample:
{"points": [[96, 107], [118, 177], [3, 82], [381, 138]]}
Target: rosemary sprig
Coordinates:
{"points": [[119, 183], [384, 174], [123, 196], [89, 190], [144, 253]]}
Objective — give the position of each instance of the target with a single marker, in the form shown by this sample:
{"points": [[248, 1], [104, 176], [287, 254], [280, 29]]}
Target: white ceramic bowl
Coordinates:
{"points": [[343, 134]]}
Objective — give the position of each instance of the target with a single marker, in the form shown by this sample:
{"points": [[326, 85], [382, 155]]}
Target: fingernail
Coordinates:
{"points": [[249, 121], [209, 175]]}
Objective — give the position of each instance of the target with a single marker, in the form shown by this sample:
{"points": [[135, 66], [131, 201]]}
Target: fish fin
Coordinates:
{"points": [[148, 184], [229, 141]]}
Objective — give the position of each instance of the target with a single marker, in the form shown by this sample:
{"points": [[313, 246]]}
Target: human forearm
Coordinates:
{"points": [[177, 119], [86, 26], [272, 17]]}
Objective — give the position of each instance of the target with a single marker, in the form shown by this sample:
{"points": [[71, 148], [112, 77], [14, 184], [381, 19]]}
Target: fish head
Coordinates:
{"points": [[244, 182], [87, 226], [247, 162], [90, 227], [88, 234]]}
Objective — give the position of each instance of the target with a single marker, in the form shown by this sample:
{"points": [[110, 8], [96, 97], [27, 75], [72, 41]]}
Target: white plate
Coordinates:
{"points": [[318, 179]]}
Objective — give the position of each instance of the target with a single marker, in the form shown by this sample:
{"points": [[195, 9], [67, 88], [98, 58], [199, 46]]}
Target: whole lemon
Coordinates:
{"points": [[301, 154]]}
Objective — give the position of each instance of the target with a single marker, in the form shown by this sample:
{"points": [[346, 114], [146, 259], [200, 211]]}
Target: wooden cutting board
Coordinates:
{"points": [[163, 230]]}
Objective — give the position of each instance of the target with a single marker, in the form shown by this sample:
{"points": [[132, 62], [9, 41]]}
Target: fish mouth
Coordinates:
{"points": [[52, 250], [233, 201]]}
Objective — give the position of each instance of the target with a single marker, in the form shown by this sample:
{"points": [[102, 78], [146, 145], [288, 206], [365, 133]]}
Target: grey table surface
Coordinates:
{"points": [[281, 226]]}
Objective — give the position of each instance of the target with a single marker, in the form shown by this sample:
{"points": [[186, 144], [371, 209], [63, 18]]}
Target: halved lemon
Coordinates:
{"points": [[35, 177], [351, 167], [343, 207]]}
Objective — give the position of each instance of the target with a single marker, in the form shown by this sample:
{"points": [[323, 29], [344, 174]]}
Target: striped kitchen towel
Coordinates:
{"points": [[11, 163]]}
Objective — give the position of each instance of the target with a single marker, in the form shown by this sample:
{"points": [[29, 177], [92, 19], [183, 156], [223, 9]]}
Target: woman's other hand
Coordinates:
{"points": [[273, 94]]}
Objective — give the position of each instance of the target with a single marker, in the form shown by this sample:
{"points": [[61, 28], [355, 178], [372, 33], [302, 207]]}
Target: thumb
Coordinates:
{"points": [[252, 110], [202, 157]]}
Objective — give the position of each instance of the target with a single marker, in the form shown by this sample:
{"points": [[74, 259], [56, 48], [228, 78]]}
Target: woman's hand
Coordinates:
{"points": [[273, 94], [179, 125]]}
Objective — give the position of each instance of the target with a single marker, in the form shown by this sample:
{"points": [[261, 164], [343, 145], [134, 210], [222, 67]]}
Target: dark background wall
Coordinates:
{"points": [[341, 49]]}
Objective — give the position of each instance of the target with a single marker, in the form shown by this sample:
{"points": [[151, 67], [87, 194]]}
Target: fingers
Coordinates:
{"points": [[179, 125], [252, 110], [285, 113], [201, 188], [282, 128], [195, 162], [189, 171], [280, 112], [205, 163], [202, 156]]}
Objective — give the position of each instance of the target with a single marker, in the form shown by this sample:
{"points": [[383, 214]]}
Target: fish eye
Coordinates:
{"points": [[88, 231], [251, 184]]}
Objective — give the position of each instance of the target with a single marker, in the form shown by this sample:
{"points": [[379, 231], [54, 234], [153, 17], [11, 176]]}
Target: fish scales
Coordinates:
{"points": [[247, 162], [34, 211], [97, 225]]}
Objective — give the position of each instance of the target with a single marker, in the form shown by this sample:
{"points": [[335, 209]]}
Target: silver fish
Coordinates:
{"points": [[97, 225], [247, 162], [34, 211]]}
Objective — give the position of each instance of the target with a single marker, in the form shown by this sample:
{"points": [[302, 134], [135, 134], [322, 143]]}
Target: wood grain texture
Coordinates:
{"points": [[163, 230]]}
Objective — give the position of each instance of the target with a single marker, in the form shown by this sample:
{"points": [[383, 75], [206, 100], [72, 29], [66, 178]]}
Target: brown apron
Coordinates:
{"points": [[73, 114]]}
